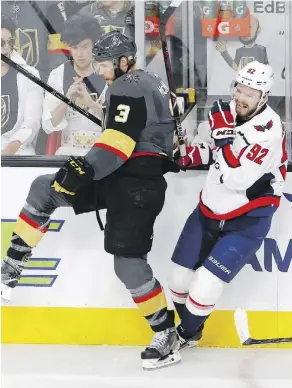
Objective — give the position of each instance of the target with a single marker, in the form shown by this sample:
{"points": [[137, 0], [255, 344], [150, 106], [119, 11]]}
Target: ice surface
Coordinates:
{"points": [[54, 366]]}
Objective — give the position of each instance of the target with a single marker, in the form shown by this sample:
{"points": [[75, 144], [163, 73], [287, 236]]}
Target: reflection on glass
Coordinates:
{"points": [[209, 41]]}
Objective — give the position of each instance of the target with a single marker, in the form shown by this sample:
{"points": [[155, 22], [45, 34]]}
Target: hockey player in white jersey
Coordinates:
{"points": [[240, 196]]}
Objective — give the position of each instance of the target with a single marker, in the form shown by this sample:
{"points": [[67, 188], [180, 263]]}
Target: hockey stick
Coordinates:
{"points": [[42, 17], [45, 20], [163, 20], [49, 89], [242, 328]]}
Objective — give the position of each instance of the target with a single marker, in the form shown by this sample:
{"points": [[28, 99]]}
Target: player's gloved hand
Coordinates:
{"points": [[197, 155], [75, 173], [222, 123]]}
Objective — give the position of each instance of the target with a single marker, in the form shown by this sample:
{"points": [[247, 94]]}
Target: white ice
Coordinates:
{"points": [[54, 366]]}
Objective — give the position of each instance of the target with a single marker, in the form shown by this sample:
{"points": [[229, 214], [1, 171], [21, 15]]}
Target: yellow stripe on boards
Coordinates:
{"points": [[97, 326]]}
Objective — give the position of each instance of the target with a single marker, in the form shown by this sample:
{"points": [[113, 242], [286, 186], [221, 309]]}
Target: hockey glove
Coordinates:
{"points": [[197, 155], [75, 173], [222, 123]]}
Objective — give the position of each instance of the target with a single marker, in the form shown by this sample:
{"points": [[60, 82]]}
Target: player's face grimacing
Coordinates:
{"points": [[82, 53], [246, 100]]}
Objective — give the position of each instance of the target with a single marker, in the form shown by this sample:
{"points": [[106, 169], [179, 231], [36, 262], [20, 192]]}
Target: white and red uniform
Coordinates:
{"points": [[251, 172]]}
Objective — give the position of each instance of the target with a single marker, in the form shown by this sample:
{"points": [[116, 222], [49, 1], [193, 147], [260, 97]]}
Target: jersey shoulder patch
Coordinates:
{"points": [[265, 127]]}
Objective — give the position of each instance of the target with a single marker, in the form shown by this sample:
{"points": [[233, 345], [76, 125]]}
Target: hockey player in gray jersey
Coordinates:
{"points": [[123, 172]]}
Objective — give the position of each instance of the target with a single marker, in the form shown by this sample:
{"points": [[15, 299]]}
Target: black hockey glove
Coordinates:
{"points": [[75, 173]]}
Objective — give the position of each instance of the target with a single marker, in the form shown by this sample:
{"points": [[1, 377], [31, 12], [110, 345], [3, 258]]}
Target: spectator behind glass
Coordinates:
{"points": [[112, 15], [31, 33], [57, 13], [21, 99], [78, 81]]}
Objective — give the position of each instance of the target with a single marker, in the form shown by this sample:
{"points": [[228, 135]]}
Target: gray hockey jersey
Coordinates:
{"points": [[138, 121]]}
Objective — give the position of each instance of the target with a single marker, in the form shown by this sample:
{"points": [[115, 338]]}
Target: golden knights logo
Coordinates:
{"points": [[5, 109], [27, 45], [245, 61], [132, 77]]}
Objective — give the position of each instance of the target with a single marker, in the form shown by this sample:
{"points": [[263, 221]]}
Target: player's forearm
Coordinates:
{"points": [[58, 114], [110, 152]]}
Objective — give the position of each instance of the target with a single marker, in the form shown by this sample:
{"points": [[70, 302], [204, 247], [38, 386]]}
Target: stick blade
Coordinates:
{"points": [[241, 324]]}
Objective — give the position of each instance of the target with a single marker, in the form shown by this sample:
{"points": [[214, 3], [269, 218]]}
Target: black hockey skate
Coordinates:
{"points": [[162, 351], [189, 342]]}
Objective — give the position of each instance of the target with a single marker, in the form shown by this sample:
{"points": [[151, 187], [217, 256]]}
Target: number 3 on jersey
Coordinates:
{"points": [[124, 110]]}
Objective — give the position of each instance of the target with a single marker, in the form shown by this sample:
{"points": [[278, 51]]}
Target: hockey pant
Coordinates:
{"points": [[209, 254]]}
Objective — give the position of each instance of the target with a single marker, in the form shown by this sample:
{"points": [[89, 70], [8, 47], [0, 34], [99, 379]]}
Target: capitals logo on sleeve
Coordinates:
{"points": [[262, 128]]}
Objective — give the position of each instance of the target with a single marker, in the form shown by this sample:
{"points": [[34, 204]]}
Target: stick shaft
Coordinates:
{"points": [[49, 89], [163, 20]]}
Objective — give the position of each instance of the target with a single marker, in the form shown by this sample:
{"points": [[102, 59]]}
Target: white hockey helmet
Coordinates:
{"points": [[257, 76]]}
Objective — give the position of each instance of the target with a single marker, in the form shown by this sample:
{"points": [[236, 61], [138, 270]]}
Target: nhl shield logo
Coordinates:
{"points": [[5, 109]]}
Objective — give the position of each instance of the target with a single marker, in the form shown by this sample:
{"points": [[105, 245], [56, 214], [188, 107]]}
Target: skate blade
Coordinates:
{"points": [[5, 293], [189, 345], [161, 362]]}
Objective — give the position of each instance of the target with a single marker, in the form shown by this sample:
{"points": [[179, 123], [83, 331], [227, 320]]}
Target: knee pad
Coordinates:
{"points": [[179, 281], [39, 193], [204, 292], [134, 272]]}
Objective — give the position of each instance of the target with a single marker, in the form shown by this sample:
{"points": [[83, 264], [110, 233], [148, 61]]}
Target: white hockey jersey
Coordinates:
{"points": [[250, 173]]}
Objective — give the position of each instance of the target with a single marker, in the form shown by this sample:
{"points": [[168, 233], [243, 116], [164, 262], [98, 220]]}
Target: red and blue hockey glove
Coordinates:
{"points": [[222, 123], [197, 155]]}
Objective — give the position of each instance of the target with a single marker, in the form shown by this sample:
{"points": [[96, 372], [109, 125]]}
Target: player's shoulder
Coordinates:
{"points": [[132, 84], [267, 124]]}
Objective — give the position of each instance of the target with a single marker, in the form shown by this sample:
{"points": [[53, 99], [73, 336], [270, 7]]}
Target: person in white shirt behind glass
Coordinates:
{"points": [[21, 99], [77, 80]]}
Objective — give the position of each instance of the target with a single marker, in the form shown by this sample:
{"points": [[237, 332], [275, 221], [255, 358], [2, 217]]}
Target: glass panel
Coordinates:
{"points": [[51, 41], [203, 66], [263, 40]]}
